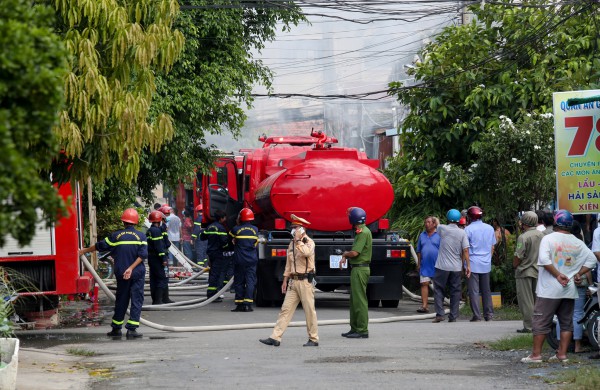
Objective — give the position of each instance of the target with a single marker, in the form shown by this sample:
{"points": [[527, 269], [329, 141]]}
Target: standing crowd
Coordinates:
{"points": [[552, 267]]}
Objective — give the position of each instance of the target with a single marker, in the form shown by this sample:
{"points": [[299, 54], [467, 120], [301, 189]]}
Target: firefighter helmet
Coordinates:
{"points": [[130, 216], [246, 215], [563, 219], [356, 215], [474, 213], [166, 210], [155, 216], [453, 215], [198, 208]]}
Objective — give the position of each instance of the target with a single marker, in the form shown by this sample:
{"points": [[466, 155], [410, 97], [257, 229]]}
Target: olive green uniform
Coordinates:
{"points": [[359, 278]]}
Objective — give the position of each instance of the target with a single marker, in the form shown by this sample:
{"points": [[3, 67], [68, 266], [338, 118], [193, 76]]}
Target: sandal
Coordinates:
{"points": [[555, 358], [422, 310], [529, 359]]}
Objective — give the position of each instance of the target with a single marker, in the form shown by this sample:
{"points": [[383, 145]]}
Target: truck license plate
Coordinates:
{"points": [[334, 261]]}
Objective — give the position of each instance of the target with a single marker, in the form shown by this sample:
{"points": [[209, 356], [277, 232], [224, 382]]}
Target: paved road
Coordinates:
{"points": [[417, 353]]}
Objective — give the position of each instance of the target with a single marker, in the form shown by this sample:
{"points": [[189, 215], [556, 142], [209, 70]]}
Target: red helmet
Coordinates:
{"points": [[462, 221], [198, 208], [246, 215], [474, 213], [155, 216], [130, 216], [166, 210]]}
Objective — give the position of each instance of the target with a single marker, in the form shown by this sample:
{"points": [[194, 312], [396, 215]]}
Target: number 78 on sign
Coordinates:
{"points": [[577, 137]]}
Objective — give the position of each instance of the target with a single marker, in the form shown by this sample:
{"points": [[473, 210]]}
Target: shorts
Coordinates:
{"points": [[544, 311], [424, 279]]}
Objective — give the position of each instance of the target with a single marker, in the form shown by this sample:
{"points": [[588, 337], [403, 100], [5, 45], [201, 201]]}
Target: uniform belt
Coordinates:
{"points": [[299, 276], [359, 265]]}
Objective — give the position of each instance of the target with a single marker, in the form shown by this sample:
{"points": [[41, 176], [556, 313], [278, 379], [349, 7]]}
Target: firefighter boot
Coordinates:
{"points": [[115, 333], [133, 334], [165, 296], [239, 308], [157, 296]]}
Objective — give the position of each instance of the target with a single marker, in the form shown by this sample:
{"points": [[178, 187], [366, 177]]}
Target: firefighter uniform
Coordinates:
{"points": [[217, 243], [359, 278], [125, 246], [199, 245], [157, 259], [245, 259]]}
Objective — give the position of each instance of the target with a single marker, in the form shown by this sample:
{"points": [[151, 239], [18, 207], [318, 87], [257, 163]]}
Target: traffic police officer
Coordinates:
{"points": [[218, 242], [157, 258], [199, 245], [360, 259], [129, 248], [245, 257], [297, 285]]}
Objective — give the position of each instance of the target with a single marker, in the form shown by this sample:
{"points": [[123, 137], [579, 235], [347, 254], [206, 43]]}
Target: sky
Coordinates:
{"points": [[332, 56]]}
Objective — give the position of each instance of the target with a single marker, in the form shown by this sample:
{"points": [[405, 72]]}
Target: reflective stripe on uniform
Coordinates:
{"points": [[248, 300], [216, 233], [125, 242], [212, 288], [133, 322], [198, 223], [117, 322], [155, 238]]}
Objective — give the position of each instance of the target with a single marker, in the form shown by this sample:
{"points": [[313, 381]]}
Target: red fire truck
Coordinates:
{"points": [[309, 177], [50, 262]]}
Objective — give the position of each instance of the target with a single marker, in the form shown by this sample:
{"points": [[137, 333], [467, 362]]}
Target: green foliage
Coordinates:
{"points": [[114, 48], [210, 85], [516, 167], [508, 63], [32, 66], [581, 378], [519, 342]]}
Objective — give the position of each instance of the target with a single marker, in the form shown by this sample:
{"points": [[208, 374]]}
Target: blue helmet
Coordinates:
{"points": [[356, 215], [453, 215], [563, 219]]}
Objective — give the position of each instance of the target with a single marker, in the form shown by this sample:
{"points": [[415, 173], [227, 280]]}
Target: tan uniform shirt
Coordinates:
{"points": [[300, 258], [527, 249]]}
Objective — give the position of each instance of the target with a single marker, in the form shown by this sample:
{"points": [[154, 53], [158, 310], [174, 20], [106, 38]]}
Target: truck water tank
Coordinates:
{"points": [[322, 186]]}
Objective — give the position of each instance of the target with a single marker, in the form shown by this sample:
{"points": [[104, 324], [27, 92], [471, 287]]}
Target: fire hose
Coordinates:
{"points": [[264, 325]]}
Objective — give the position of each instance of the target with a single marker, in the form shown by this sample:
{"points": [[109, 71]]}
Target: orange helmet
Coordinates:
{"points": [[130, 216], [155, 216], [246, 215]]}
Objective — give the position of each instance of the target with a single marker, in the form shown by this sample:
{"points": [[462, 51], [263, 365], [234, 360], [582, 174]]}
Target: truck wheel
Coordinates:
{"points": [[259, 299], [390, 303], [374, 303], [592, 330]]}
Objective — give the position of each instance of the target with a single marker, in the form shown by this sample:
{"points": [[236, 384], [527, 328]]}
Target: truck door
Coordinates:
{"points": [[221, 190]]}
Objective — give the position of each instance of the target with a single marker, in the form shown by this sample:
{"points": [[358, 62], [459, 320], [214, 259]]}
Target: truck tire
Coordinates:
{"points": [[390, 303], [592, 330]]}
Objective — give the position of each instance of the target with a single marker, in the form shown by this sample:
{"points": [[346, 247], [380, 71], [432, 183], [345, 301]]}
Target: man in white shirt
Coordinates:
{"points": [[563, 258]]}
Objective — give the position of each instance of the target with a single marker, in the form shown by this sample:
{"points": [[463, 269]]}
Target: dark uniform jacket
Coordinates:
{"points": [[245, 237], [197, 228], [156, 244], [216, 235], [125, 246]]}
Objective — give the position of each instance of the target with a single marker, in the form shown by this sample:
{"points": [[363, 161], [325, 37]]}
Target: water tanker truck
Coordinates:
{"points": [[309, 177]]}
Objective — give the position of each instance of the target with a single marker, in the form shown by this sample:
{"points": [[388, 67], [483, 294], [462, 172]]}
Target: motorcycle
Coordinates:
{"points": [[589, 321]]}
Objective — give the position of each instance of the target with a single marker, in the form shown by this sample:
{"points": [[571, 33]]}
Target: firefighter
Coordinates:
{"points": [[218, 244], [129, 248], [157, 258], [245, 257], [199, 245], [360, 260]]}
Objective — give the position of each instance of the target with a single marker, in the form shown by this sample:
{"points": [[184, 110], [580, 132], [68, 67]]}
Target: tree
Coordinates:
{"points": [[210, 85], [114, 50], [32, 68], [506, 63]]}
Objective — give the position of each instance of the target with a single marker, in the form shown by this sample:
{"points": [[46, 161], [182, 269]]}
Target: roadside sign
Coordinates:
{"points": [[577, 140]]}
